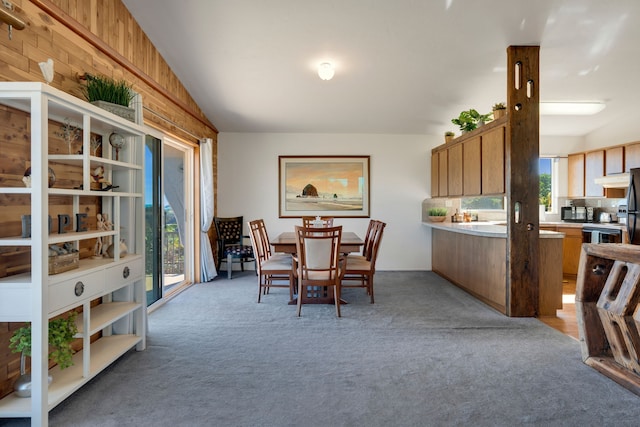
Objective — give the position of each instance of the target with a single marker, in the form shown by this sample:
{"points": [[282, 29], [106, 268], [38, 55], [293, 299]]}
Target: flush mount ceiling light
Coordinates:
{"points": [[326, 71], [571, 108]]}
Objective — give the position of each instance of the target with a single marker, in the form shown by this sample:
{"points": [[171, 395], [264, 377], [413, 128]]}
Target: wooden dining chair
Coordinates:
{"points": [[360, 269], [318, 265], [231, 246], [272, 269], [310, 221]]}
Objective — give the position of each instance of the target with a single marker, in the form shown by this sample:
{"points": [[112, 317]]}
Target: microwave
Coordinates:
{"points": [[574, 214]]}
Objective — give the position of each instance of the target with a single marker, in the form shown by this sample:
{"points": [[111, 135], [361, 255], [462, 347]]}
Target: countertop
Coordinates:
{"points": [[610, 225], [484, 229]]}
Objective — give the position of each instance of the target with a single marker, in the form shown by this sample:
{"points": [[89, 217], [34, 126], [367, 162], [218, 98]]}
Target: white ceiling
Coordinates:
{"points": [[402, 66]]}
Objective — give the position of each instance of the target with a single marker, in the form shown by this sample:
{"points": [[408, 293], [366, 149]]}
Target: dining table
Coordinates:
{"points": [[286, 243]]}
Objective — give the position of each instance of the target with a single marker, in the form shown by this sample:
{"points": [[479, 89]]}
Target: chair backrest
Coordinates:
{"points": [[259, 240], [375, 245], [228, 230], [312, 221], [368, 239], [318, 253]]}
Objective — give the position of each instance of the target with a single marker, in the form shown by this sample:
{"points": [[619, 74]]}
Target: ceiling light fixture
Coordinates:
{"points": [[570, 108], [326, 71]]}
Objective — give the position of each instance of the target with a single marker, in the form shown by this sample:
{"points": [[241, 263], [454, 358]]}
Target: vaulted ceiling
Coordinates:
{"points": [[402, 66]]}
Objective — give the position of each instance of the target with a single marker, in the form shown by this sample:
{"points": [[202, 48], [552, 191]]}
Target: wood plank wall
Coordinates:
{"points": [[96, 37]]}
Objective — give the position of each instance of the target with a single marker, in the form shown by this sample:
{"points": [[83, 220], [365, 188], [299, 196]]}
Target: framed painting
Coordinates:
{"points": [[335, 186]]}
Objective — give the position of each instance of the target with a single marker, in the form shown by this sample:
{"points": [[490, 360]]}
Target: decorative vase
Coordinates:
{"points": [[123, 249], [448, 139], [499, 113], [22, 386]]}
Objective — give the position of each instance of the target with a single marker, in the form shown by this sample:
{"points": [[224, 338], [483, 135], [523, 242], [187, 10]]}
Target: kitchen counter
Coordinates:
{"points": [[610, 225], [473, 256], [484, 229]]}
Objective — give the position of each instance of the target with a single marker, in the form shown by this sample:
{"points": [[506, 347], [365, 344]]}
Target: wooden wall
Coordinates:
{"points": [[95, 37]]}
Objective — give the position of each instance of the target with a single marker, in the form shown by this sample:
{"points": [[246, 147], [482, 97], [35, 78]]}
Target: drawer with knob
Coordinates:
{"points": [[124, 273], [75, 291]]}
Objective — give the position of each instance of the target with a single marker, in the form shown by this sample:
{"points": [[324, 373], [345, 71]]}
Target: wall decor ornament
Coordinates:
{"points": [[335, 186]]}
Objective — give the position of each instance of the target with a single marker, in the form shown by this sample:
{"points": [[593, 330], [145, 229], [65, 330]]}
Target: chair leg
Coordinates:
{"points": [[299, 308], [370, 286], [229, 266], [336, 296]]}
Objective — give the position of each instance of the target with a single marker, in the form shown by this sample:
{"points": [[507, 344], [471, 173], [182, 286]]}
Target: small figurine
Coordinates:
{"points": [[97, 176], [97, 249]]}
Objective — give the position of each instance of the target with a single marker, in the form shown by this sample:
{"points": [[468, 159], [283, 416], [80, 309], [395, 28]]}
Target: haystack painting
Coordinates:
{"points": [[324, 185]]}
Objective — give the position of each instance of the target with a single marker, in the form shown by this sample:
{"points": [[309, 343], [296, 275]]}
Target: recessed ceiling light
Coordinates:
{"points": [[571, 108]]}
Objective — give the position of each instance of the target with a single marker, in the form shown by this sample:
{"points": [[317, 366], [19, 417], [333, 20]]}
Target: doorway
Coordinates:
{"points": [[169, 228]]}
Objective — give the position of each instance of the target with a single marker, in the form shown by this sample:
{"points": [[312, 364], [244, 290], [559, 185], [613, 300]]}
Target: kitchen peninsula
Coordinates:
{"points": [[473, 256]]}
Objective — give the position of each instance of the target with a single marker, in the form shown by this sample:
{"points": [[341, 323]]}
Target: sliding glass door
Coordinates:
{"points": [[169, 216]]}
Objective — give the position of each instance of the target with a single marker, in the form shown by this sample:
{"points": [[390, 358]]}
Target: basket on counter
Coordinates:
{"points": [[62, 263]]}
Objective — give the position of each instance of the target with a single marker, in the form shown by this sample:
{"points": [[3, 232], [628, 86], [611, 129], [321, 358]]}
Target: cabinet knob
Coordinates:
{"points": [[79, 289], [126, 272]]}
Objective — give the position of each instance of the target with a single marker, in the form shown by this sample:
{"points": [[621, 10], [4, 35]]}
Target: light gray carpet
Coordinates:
{"points": [[425, 354]]}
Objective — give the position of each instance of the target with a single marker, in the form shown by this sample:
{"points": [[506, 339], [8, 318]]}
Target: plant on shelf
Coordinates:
{"points": [[102, 88], [470, 120], [448, 136], [61, 333], [499, 110]]}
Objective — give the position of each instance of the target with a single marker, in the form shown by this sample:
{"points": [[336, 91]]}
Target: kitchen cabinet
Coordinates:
{"points": [[443, 173], [472, 175], [109, 291], [614, 160], [493, 161], [631, 156], [576, 175], [455, 172], [593, 168], [435, 175], [571, 247]]}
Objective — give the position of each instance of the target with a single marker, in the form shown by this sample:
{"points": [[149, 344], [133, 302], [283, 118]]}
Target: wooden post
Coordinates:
{"points": [[522, 180]]}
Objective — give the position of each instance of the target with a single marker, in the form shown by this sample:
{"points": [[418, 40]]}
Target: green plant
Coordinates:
{"points": [[437, 212], [499, 106], [102, 88], [61, 333], [470, 119]]}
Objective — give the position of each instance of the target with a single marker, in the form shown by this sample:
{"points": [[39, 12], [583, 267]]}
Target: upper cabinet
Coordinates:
{"points": [[593, 168], [455, 170], [614, 160], [473, 164], [576, 175], [493, 161], [632, 156]]}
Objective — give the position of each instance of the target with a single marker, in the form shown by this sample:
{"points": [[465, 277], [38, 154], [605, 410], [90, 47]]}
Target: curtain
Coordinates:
{"points": [[207, 263]]}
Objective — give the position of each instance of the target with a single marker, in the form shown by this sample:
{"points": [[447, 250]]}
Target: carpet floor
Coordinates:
{"points": [[425, 354]]}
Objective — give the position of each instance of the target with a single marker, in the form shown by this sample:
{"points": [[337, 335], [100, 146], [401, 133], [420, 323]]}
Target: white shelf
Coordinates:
{"points": [[21, 295], [65, 382], [105, 314]]}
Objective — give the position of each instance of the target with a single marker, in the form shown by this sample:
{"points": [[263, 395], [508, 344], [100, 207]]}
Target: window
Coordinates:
{"points": [[546, 182], [483, 203]]}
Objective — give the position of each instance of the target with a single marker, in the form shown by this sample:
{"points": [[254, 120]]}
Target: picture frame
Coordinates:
{"points": [[337, 186]]}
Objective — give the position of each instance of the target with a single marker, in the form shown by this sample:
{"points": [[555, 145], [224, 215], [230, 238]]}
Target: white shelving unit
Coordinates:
{"points": [[118, 282]]}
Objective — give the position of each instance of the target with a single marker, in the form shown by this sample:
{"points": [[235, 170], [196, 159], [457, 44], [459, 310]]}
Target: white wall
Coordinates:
{"points": [[248, 185]]}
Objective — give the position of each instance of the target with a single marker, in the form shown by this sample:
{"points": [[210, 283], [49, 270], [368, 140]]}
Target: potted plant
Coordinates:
{"points": [[448, 136], [499, 110], [110, 94], [470, 120], [61, 334], [437, 214]]}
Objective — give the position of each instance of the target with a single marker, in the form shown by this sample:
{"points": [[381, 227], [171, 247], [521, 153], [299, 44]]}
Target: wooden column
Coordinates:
{"points": [[522, 179]]}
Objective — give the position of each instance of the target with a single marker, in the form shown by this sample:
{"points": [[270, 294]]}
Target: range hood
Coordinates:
{"points": [[620, 180]]}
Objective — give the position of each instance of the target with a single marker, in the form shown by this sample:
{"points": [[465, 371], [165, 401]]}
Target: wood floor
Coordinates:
{"points": [[565, 319]]}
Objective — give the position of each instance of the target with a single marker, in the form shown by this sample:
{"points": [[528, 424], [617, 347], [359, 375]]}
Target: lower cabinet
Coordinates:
{"points": [[571, 247]]}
